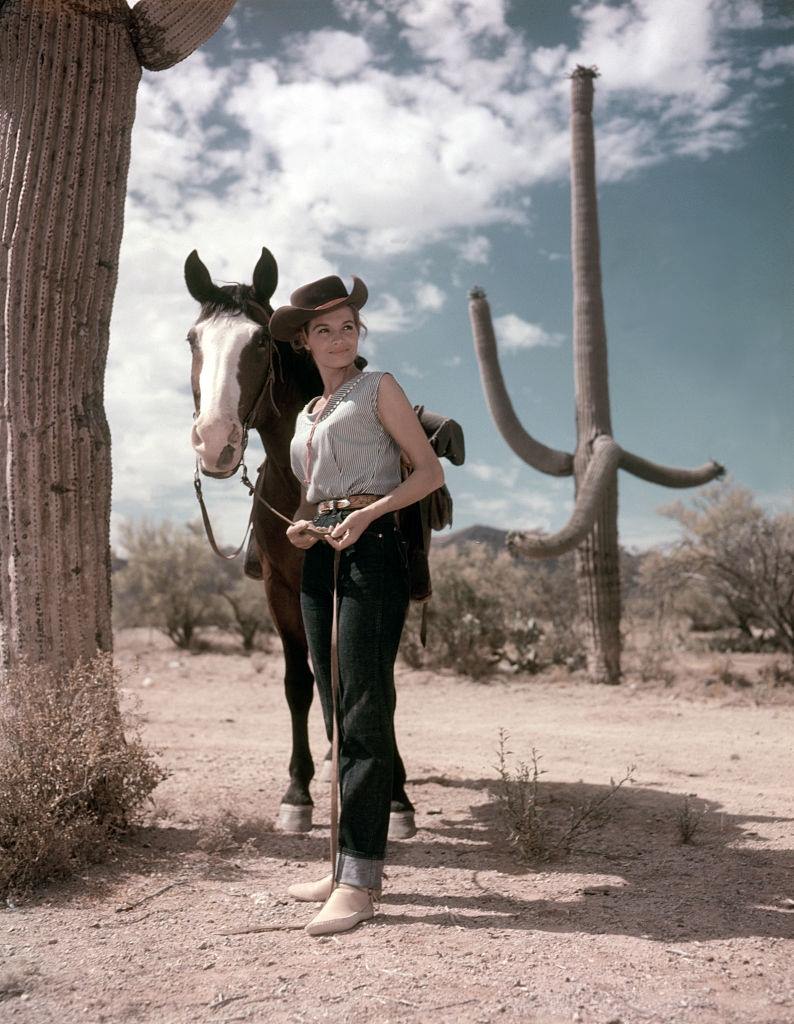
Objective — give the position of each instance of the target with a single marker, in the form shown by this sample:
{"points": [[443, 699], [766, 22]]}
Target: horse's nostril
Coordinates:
{"points": [[225, 457]]}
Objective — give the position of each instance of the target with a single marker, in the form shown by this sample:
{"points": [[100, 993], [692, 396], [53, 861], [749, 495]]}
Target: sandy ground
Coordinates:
{"points": [[191, 922]]}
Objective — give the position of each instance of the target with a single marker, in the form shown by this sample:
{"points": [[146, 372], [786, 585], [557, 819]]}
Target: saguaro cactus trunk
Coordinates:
{"points": [[597, 565], [70, 73], [592, 529]]}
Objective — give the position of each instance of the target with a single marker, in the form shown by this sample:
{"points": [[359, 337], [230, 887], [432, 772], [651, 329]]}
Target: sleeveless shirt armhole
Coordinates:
{"points": [[376, 391]]}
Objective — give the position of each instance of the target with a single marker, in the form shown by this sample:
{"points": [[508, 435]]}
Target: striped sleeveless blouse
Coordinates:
{"points": [[345, 449]]}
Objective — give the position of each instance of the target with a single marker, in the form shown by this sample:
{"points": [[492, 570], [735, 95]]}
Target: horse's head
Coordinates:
{"points": [[232, 360]]}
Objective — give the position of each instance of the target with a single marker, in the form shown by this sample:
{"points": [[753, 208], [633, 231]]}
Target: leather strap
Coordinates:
{"points": [[335, 727], [206, 519], [354, 501]]}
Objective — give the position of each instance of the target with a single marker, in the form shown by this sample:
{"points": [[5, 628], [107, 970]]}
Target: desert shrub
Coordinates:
{"points": [[740, 557], [665, 593], [70, 781], [247, 614], [172, 581], [489, 610], [531, 826]]}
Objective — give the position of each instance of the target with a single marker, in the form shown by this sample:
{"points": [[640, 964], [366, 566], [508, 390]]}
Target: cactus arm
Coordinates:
{"points": [[601, 469], [537, 455], [669, 476], [164, 32]]}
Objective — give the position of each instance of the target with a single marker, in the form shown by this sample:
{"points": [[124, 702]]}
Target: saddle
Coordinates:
{"points": [[433, 512]]}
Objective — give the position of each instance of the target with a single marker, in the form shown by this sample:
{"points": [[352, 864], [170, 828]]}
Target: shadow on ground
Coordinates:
{"points": [[720, 887]]}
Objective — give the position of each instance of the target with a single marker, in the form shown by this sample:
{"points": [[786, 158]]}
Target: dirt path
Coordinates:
{"points": [[634, 928]]}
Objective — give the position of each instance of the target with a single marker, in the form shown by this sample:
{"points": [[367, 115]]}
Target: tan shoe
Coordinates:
{"points": [[312, 892], [346, 907]]}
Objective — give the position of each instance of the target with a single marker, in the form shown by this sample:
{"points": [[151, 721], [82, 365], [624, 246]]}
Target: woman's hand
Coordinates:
{"points": [[349, 530], [298, 534]]}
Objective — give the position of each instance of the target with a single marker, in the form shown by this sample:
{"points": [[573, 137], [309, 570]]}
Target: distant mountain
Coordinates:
{"points": [[489, 536]]}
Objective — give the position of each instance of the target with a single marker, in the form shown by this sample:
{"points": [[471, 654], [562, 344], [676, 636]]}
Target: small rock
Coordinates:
{"points": [[147, 681]]}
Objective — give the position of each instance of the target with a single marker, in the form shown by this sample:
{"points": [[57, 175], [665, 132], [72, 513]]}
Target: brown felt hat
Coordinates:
{"points": [[321, 296]]}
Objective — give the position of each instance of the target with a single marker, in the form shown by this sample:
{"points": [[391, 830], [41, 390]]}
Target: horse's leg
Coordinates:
{"points": [[282, 587], [402, 822]]}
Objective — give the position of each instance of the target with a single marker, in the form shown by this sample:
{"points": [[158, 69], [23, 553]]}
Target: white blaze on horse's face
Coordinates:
{"points": [[217, 433]]}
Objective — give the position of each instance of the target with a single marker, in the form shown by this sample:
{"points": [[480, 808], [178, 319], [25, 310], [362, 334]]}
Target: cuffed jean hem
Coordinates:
{"points": [[360, 871]]}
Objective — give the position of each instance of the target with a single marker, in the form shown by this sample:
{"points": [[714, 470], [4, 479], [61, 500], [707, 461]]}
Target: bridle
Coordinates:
{"points": [[254, 490]]}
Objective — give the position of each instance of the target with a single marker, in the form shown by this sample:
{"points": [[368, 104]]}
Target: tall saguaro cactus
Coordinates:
{"points": [[70, 71], [592, 528]]}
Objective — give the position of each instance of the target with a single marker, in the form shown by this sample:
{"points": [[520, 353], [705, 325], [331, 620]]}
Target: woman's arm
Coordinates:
{"points": [[399, 419], [303, 519]]}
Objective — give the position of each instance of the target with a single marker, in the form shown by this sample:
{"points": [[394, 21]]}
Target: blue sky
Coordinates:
{"points": [[423, 145]]}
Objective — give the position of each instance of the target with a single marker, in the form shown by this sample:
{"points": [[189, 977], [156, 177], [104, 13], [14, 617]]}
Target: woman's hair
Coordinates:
{"points": [[299, 342]]}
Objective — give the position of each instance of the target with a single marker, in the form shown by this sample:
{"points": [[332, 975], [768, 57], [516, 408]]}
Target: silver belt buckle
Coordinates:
{"points": [[341, 503]]}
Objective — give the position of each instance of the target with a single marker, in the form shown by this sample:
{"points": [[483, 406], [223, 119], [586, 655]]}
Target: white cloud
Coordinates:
{"points": [[514, 333], [476, 249], [330, 54], [430, 297], [389, 159], [778, 56], [389, 316], [491, 473]]}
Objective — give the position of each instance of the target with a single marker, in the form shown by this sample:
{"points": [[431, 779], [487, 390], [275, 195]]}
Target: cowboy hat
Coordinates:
{"points": [[312, 299]]}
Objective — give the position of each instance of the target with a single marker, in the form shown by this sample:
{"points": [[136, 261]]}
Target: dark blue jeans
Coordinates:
{"points": [[372, 591]]}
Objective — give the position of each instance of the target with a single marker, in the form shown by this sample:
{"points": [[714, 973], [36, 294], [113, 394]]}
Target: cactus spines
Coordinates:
{"points": [[67, 103], [592, 528]]}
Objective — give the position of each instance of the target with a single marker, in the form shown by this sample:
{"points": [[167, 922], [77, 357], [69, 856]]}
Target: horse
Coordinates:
{"points": [[243, 379]]}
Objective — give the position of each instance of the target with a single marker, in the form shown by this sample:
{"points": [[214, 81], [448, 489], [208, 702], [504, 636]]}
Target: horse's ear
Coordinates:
{"points": [[198, 280], [265, 276]]}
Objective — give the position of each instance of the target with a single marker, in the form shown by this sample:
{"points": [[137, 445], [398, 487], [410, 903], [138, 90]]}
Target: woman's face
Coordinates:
{"points": [[332, 338]]}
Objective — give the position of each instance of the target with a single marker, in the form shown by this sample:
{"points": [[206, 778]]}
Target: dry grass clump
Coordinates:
{"points": [[723, 672], [230, 830], [527, 818], [688, 820], [69, 779]]}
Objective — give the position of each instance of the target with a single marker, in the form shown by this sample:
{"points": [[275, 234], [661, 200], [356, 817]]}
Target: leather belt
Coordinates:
{"points": [[353, 501]]}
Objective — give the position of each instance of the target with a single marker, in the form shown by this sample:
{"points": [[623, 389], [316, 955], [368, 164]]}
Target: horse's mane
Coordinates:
{"points": [[229, 298]]}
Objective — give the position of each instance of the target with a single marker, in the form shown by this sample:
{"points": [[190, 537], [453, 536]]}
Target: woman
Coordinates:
{"points": [[346, 453]]}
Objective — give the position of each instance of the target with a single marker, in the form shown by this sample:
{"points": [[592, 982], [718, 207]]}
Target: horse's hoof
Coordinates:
{"points": [[402, 825], [294, 818], [326, 772]]}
